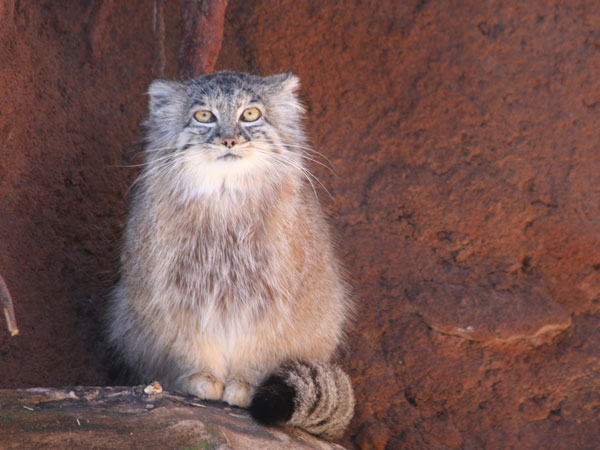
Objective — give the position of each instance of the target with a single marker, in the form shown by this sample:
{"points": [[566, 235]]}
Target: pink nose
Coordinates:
{"points": [[229, 142]]}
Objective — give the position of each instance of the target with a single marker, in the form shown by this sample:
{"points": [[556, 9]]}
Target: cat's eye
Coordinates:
{"points": [[251, 115], [204, 116]]}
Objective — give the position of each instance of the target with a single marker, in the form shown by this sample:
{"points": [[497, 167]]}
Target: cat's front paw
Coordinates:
{"points": [[203, 385], [238, 392]]}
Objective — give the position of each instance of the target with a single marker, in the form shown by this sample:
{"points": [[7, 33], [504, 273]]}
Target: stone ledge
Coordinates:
{"points": [[127, 418]]}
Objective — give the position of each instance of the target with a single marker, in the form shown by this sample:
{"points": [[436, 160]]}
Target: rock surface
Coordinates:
{"points": [[465, 140], [464, 136], [126, 418]]}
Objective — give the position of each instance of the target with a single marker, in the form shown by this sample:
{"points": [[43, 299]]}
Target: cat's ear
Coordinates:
{"points": [[287, 82], [164, 97], [284, 107]]}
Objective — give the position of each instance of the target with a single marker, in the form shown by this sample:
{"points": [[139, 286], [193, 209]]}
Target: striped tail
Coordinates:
{"points": [[315, 397]]}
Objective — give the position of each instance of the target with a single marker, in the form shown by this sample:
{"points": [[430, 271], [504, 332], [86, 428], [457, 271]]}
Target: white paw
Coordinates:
{"points": [[237, 392], [203, 385]]}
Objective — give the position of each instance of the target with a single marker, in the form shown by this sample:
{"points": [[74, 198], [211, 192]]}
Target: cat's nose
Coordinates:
{"points": [[229, 142]]}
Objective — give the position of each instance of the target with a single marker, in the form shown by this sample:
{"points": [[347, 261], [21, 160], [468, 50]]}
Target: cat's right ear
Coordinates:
{"points": [[287, 82], [164, 97]]}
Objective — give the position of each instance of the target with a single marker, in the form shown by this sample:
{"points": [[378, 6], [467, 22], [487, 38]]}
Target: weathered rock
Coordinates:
{"points": [[126, 418], [488, 315], [464, 138], [201, 36], [72, 83]]}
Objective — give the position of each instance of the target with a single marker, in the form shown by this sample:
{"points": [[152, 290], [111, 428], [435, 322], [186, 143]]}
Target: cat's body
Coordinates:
{"points": [[228, 272]]}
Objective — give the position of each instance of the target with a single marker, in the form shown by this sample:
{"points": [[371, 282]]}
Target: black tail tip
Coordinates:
{"points": [[273, 401]]}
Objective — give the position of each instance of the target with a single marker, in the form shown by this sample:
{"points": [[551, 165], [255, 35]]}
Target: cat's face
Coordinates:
{"points": [[225, 129]]}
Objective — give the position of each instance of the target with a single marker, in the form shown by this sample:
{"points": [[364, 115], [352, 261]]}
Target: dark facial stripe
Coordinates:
{"points": [[245, 133]]}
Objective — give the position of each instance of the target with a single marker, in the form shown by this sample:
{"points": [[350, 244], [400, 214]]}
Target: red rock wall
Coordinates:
{"points": [[465, 139], [72, 83], [464, 136]]}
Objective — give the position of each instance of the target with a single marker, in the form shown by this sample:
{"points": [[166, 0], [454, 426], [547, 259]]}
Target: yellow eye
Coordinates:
{"points": [[204, 116], [251, 115]]}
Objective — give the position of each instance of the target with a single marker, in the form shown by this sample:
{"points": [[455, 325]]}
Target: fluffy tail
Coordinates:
{"points": [[315, 397]]}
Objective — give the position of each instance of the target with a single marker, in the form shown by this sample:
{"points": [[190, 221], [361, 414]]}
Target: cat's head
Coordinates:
{"points": [[225, 129]]}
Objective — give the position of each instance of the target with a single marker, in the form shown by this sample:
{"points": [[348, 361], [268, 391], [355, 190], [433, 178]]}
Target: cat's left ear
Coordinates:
{"points": [[287, 82], [284, 106], [164, 97]]}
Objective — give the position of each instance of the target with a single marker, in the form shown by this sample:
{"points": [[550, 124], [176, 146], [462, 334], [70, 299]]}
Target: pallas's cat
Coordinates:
{"points": [[229, 286]]}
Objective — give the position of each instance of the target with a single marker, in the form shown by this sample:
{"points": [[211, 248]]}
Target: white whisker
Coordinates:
{"points": [[307, 174], [304, 148], [144, 164]]}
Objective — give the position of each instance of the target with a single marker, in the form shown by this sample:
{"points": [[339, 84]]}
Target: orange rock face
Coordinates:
{"points": [[72, 83], [464, 137], [465, 140]]}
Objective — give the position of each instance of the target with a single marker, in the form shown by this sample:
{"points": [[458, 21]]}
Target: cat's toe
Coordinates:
{"points": [[237, 392], [203, 386]]}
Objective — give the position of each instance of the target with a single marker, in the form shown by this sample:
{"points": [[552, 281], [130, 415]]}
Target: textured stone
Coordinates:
{"points": [[464, 138], [372, 436], [489, 315], [126, 418], [72, 83]]}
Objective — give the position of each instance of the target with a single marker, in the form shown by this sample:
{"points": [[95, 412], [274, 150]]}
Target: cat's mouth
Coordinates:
{"points": [[229, 156]]}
